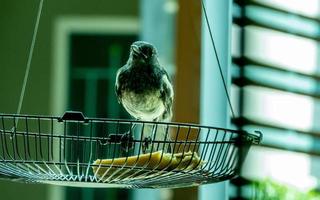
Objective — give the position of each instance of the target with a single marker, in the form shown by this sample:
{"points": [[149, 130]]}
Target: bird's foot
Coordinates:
{"points": [[145, 144], [127, 142]]}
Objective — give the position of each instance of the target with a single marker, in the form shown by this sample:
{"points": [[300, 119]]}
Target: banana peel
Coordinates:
{"points": [[158, 161]]}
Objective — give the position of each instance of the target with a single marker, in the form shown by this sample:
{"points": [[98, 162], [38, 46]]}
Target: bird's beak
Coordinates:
{"points": [[136, 50]]}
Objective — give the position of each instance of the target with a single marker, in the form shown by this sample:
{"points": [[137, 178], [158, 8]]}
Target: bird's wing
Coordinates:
{"points": [[167, 97], [118, 84]]}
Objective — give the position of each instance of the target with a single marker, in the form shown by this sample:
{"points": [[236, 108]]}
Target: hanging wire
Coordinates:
{"points": [[26, 75], [217, 58]]}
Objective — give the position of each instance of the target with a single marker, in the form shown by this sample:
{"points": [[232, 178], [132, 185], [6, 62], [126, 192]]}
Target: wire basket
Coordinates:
{"points": [[73, 150]]}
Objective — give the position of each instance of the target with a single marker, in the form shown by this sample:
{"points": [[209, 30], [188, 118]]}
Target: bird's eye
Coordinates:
{"points": [[143, 50]]}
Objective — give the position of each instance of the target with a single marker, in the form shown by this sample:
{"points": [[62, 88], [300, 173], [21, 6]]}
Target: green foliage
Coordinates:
{"points": [[271, 190]]}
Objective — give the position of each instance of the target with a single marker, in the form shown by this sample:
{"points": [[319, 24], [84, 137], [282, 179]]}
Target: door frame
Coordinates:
{"points": [[63, 27]]}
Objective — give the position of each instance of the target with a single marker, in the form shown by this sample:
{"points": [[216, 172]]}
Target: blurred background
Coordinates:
{"points": [[273, 55]]}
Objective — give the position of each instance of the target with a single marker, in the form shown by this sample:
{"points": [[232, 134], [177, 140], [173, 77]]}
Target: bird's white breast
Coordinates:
{"points": [[146, 106]]}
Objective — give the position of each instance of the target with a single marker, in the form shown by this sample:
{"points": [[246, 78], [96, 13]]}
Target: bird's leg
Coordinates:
{"points": [[153, 133], [149, 136], [132, 128], [167, 140], [127, 137], [161, 136], [170, 144], [146, 138]]}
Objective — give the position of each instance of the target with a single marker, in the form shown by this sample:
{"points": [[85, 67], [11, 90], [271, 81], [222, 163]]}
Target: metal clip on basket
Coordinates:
{"points": [[73, 150]]}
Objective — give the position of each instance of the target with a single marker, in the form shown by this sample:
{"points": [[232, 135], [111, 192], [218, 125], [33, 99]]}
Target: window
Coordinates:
{"points": [[275, 49]]}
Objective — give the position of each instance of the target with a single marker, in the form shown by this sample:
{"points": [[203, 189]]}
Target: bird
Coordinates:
{"points": [[143, 86]]}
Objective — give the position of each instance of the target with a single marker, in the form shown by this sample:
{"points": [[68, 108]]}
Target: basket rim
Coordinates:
{"points": [[255, 137]]}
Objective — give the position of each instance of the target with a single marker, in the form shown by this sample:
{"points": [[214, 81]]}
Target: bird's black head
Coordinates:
{"points": [[143, 52]]}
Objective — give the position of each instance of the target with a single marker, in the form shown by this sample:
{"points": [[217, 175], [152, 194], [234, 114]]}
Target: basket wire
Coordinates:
{"points": [[72, 150]]}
